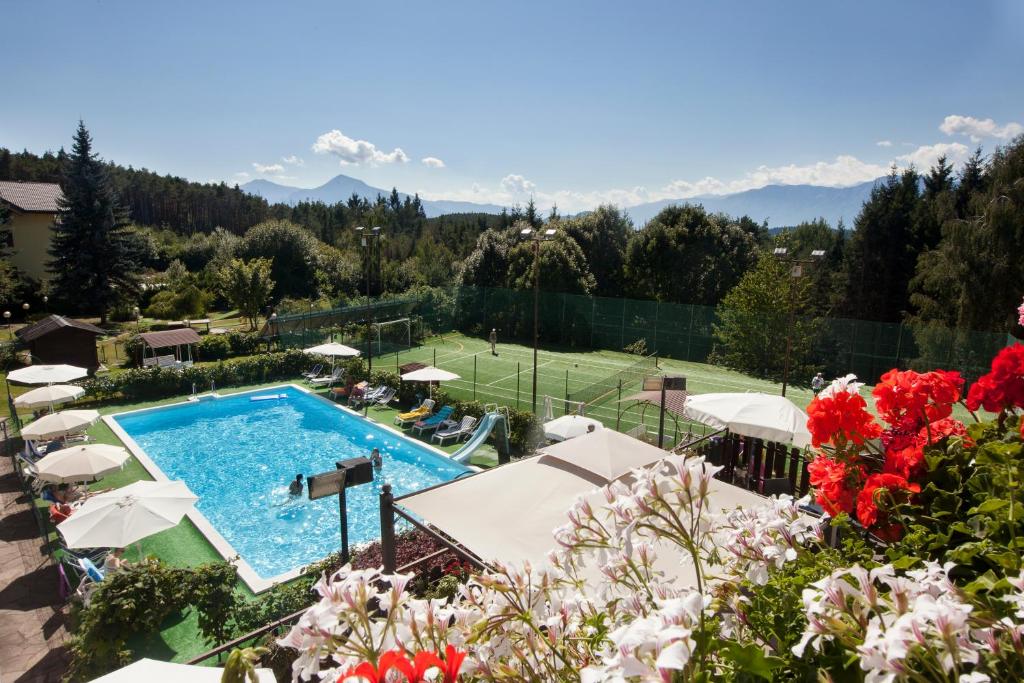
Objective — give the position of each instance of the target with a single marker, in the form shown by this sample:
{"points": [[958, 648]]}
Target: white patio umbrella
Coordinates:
{"points": [[606, 453], [47, 374], [429, 374], [54, 394], [155, 671], [760, 416], [81, 463], [334, 350], [569, 427], [60, 424], [118, 518]]}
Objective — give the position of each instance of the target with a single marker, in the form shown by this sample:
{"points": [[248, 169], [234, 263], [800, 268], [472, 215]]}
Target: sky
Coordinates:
{"points": [[574, 103]]}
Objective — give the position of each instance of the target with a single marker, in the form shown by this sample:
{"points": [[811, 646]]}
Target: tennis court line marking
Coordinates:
{"points": [[515, 374]]}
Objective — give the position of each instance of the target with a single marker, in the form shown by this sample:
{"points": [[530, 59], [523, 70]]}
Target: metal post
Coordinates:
{"points": [[517, 384], [387, 529], [435, 357], [474, 376], [343, 516], [536, 294], [789, 348], [567, 384], [661, 416]]}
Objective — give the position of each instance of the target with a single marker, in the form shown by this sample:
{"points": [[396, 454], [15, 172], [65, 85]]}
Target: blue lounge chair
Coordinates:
{"points": [[434, 421]]}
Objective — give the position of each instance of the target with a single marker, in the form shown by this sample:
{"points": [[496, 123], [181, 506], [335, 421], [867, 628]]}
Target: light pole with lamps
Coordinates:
{"points": [[795, 273], [7, 319], [536, 238], [366, 238]]}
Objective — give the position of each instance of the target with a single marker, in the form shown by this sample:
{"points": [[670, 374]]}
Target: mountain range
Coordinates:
{"points": [[778, 205]]}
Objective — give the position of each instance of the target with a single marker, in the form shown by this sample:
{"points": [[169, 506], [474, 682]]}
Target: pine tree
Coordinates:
{"points": [[92, 265], [5, 232]]}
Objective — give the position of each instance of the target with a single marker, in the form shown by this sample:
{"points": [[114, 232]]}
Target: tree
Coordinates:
{"points": [[487, 265], [684, 254], [563, 266], [295, 253], [883, 251], [91, 248], [602, 235], [756, 316], [248, 286]]}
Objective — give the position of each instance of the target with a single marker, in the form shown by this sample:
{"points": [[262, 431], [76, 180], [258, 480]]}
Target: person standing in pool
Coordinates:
{"points": [[376, 460], [295, 488]]}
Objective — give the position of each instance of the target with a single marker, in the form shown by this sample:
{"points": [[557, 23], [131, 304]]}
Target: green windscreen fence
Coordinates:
{"points": [[671, 330]]}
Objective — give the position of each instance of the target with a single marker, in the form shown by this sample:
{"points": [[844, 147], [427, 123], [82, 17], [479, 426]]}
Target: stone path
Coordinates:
{"points": [[32, 633]]}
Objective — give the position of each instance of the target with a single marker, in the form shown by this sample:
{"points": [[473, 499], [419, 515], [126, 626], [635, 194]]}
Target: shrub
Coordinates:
{"points": [[171, 304], [524, 429], [214, 347]]}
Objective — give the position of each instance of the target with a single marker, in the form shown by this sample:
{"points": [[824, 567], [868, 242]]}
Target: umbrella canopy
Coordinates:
{"points": [[429, 374], [569, 426], [155, 671], [760, 416], [81, 463], [49, 396], [47, 374], [123, 516], [332, 349], [607, 453], [60, 424]]}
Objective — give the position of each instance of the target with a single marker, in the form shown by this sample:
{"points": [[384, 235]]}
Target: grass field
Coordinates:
{"points": [[507, 378]]}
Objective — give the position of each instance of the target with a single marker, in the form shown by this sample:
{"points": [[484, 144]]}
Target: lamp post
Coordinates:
{"points": [[366, 239], [795, 273], [137, 314], [7, 319], [536, 238], [25, 308], [46, 301]]}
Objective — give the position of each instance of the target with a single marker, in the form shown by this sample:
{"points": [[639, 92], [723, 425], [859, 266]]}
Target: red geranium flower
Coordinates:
{"points": [[886, 489], [414, 671], [1003, 386], [376, 674], [907, 399], [839, 418], [906, 462], [835, 483]]}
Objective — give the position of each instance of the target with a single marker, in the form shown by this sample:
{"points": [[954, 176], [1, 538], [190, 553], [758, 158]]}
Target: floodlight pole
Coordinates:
{"points": [[795, 273], [365, 238], [530, 234]]}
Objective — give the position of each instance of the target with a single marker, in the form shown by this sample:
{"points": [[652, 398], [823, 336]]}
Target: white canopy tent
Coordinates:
{"points": [[47, 374], [60, 424], [155, 671], [606, 453], [537, 493], [51, 395], [81, 463], [760, 416], [569, 427]]}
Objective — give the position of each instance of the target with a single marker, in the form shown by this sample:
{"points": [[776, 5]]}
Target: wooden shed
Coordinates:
{"points": [[56, 339]]}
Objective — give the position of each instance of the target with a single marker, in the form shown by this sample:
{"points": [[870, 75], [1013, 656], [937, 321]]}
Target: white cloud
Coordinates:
{"points": [[432, 162], [293, 160], [925, 156], [268, 168], [517, 184], [884, 143], [355, 152], [977, 129], [242, 176]]}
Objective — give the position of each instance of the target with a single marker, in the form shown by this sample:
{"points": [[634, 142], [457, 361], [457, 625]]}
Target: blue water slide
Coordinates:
{"points": [[487, 424]]}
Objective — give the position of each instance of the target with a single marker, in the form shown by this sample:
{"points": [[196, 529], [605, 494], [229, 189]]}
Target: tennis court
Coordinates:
{"points": [[591, 376]]}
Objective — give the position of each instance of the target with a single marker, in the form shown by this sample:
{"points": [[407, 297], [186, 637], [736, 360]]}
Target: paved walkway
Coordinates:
{"points": [[32, 613]]}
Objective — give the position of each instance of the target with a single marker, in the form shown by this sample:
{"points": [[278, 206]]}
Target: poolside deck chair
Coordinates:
{"points": [[416, 414], [369, 395], [434, 421], [30, 473], [385, 397], [464, 428], [336, 376], [314, 371]]}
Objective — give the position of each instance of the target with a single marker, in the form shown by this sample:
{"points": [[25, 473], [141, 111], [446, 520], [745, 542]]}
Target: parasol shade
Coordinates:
{"points": [[60, 424], [760, 416], [81, 463]]}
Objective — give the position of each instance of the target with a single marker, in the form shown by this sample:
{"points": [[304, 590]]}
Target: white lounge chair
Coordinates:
{"points": [[336, 376], [463, 428], [314, 371], [385, 397]]}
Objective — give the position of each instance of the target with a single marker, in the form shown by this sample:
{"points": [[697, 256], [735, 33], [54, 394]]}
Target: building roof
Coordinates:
{"points": [[36, 197], [160, 340], [52, 323]]}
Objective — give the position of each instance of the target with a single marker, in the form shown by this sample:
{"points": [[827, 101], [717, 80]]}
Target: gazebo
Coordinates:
{"points": [[57, 340], [180, 341]]}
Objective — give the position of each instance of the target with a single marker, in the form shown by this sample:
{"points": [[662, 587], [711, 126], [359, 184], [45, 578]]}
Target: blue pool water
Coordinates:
{"points": [[239, 455]]}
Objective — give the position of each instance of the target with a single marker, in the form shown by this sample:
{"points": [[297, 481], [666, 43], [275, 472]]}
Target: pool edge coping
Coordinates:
{"points": [[256, 583]]}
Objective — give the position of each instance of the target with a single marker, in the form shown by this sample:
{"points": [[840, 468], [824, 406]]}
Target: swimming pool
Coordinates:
{"points": [[239, 456]]}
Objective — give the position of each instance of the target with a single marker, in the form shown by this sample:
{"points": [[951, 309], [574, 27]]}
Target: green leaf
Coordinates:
{"points": [[752, 659], [990, 505]]}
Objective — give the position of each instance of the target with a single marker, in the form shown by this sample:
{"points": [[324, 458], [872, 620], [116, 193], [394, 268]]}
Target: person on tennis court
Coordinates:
{"points": [[494, 341]]}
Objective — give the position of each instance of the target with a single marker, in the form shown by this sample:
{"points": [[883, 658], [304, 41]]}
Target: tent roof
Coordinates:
{"points": [[537, 493], [52, 323], [159, 340], [675, 399], [606, 453]]}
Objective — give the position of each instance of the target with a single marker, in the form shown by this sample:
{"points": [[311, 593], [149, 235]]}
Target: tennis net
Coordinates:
{"points": [[597, 391]]}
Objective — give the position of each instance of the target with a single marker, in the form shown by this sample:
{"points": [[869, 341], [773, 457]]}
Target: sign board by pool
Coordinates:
{"points": [[351, 472]]}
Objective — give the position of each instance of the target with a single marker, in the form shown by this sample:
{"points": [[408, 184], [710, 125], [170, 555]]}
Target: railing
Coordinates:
{"points": [[248, 637]]}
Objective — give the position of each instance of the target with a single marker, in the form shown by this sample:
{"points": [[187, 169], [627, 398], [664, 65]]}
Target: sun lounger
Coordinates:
{"points": [[416, 414], [385, 397], [336, 376], [314, 371], [464, 428], [433, 422], [370, 395]]}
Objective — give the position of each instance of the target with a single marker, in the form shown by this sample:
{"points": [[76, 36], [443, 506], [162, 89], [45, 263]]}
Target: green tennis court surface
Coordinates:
{"points": [[507, 378]]}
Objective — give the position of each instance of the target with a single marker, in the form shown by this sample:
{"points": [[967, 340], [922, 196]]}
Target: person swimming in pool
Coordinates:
{"points": [[376, 459], [295, 488]]}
